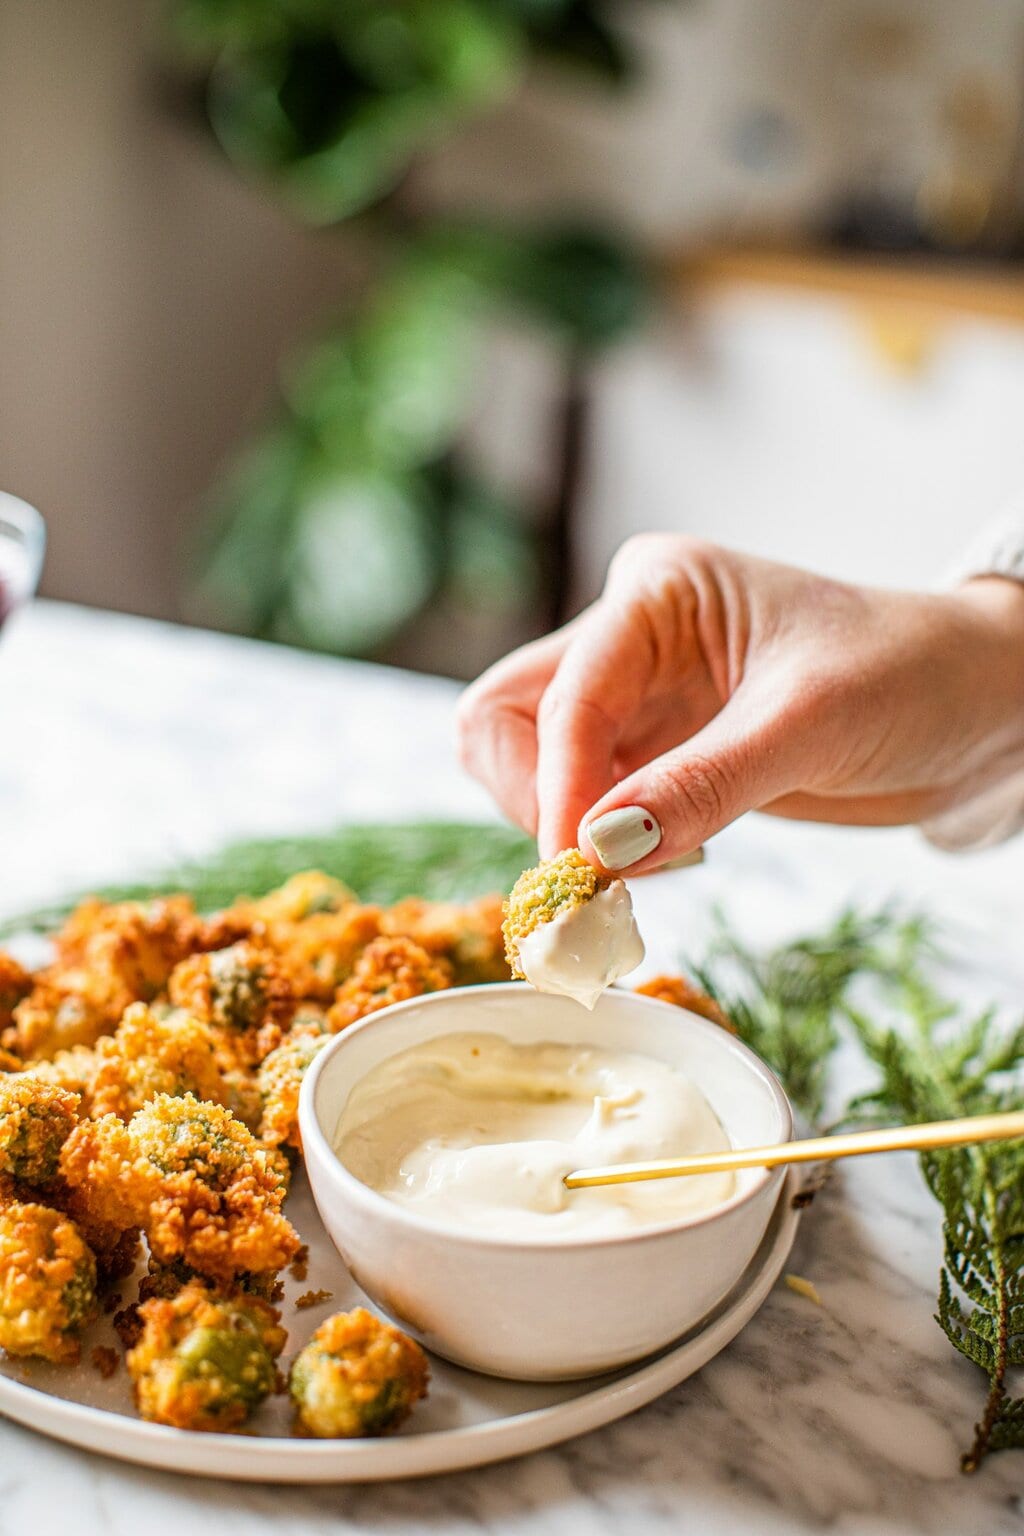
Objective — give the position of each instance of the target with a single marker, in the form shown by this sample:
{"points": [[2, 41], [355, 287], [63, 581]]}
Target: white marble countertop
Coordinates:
{"points": [[124, 743]]}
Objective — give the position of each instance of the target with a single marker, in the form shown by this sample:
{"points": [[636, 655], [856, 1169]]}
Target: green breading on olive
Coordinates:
{"points": [[554, 887], [36, 1119]]}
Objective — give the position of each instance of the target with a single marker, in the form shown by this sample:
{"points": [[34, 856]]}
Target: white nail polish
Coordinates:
{"points": [[622, 837]]}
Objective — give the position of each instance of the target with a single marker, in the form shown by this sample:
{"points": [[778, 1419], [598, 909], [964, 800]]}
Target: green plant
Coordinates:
{"points": [[791, 1003], [354, 509], [944, 1065]]}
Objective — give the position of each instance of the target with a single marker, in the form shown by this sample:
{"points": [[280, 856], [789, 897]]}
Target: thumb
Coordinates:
{"points": [[677, 801]]}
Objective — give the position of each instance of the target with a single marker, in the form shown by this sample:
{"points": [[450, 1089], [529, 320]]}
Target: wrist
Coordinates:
{"points": [[991, 611]]}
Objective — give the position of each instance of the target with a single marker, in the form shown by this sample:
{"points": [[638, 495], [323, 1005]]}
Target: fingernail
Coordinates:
{"points": [[622, 837]]}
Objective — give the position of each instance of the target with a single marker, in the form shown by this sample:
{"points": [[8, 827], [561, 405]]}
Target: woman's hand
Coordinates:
{"points": [[704, 683]]}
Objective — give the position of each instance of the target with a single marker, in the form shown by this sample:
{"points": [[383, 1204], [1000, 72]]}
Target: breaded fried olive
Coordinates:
{"points": [[204, 1361], [356, 1376], [280, 1081], [388, 971], [47, 1283], [35, 1121], [554, 887]]}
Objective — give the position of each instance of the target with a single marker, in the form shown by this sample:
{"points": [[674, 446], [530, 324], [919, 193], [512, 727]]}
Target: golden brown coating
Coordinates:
{"points": [[200, 1186], [320, 952], [15, 983], [73, 1070], [356, 1376], [47, 1283], [304, 895], [107, 958], [280, 1081], [469, 937], [35, 1122], [686, 994], [150, 1054], [204, 1361], [388, 971], [242, 992]]}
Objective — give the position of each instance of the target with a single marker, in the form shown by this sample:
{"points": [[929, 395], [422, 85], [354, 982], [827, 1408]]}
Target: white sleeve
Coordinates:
{"points": [[998, 813]]}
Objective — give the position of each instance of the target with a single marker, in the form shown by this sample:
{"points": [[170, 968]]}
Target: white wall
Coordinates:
{"points": [[779, 425]]}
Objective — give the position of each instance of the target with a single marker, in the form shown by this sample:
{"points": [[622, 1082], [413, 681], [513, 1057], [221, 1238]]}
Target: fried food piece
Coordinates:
{"points": [[356, 1376], [469, 937], [188, 1173], [243, 992], [686, 994], [320, 952], [280, 1080], [205, 1361], [388, 971], [35, 1122], [554, 887], [57, 1015], [302, 896], [15, 984], [241, 1094], [107, 958], [149, 1054], [73, 1070], [152, 1051], [47, 1283]]}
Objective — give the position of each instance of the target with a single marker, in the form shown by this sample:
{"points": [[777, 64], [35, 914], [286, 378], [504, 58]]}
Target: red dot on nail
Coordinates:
{"points": [[648, 825]]}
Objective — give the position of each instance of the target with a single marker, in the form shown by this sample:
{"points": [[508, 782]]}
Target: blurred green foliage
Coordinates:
{"points": [[353, 511]]}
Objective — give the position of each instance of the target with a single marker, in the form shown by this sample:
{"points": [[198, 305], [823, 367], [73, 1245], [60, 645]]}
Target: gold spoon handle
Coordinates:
{"points": [[897, 1138]]}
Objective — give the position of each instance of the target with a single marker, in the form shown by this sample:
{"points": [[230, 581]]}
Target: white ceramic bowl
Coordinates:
{"points": [[574, 1306]]}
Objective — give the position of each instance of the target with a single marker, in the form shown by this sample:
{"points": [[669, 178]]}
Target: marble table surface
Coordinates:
{"points": [[125, 743]]}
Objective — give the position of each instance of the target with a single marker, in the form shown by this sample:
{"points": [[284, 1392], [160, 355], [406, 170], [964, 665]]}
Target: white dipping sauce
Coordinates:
{"points": [[582, 951], [472, 1131]]}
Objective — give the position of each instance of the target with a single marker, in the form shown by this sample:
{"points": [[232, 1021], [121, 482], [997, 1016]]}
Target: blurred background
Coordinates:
{"points": [[373, 326]]}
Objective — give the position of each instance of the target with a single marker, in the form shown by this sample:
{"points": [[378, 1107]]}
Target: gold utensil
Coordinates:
{"points": [[897, 1138]]}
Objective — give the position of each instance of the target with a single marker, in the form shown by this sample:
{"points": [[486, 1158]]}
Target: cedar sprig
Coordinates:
{"points": [[943, 1064], [787, 1002], [381, 862]]}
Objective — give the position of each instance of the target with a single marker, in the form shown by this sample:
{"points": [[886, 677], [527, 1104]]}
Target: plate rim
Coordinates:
{"points": [[275, 1459]]}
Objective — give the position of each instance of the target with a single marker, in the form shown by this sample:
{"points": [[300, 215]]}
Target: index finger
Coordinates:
{"points": [[604, 673], [496, 724]]}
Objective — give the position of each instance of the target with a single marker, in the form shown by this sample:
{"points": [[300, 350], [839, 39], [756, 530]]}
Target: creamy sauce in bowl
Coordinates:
{"points": [[470, 1130], [583, 950]]}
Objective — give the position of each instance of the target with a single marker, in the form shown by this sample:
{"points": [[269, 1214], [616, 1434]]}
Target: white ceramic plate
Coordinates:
{"points": [[468, 1419]]}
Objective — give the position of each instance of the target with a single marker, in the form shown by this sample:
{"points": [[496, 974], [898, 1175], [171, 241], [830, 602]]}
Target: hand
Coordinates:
{"points": [[704, 683]]}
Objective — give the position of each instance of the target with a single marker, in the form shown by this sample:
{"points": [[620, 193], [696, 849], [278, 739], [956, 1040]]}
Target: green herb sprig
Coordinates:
{"points": [[946, 1064], [787, 1003], [790, 1004], [381, 862]]}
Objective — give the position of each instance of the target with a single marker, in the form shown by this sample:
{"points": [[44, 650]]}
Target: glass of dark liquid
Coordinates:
{"points": [[22, 545]]}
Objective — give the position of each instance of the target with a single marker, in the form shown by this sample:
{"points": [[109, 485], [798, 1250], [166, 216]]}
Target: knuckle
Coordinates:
{"points": [[659, 561], [564, 707], [638, 552], [557, 701], [701, 789]]}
